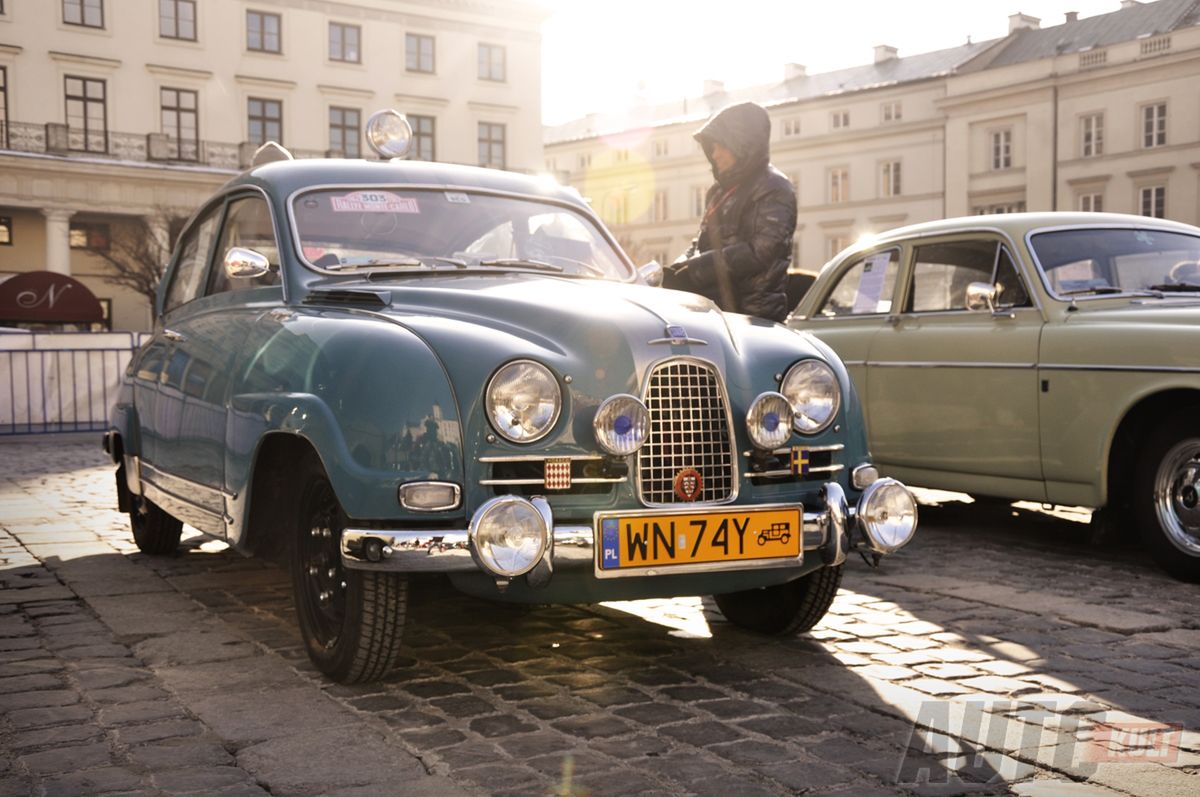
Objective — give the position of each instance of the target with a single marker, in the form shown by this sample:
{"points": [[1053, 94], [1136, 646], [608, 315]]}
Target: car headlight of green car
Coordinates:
{"points": [[523, 401], [812, 388]]}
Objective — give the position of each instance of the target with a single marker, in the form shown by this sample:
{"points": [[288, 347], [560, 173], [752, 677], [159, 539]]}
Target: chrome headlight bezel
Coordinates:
{"points": [[769, 421], [609, 417], [508, 561], [885, 532], [797, 384], [501, 412]]}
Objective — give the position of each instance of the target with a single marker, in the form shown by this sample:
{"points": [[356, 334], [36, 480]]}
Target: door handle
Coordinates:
{"points": [[171, 334]]}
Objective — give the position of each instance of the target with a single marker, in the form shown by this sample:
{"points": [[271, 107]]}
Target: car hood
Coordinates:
{"points": [[1169, 310]]}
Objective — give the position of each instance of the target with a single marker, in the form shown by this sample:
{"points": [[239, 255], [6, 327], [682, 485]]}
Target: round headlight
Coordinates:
{"points": [[509, 536], [389, 134], [769, 421], [523, 401], [621, 423], [887, 513], [812, 388]]}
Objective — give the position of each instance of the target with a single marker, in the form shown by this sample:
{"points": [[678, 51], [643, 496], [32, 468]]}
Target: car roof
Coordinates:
{"points": [[1017, 224], [283, 178]]}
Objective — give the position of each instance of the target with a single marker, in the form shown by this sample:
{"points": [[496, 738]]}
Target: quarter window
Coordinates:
{"points": [[491, 62], [247, 224], [344, 43], [865, 288], [87, 114], [177, 19], [491, 145], [88, 13], [194, 250], [262, 32], [265, 121], [344, 127], [424, 137], [418, 53]]}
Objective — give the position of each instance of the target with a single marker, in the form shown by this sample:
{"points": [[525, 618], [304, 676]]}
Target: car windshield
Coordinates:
{"points": [[1112, 261], [366, 228]]}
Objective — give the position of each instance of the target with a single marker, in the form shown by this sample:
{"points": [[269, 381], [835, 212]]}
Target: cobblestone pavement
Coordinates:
{"points": [[994, 655]]}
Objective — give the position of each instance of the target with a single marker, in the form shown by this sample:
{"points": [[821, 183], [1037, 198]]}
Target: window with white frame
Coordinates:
{"points": [[87, 112], [1154, 125], [889, 178], [263, 32], [585, 160], [424, 137], [839, 185], [891, 111], [177, 19], [345, 130], [492, 63], [179, 121], [791, 127], [491, 140], [661, 207], [839, 120], [264, 120], [1153, 201], [344, 43], [835, 244], [1091, 202], [661, 148], [1001, 149], [697, 201], [88, 13], [419, 53], [1091, 129], [999, 207]]}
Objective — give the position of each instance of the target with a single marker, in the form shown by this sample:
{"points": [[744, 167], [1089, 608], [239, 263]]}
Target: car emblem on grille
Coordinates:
{"points": [[688, 484]]}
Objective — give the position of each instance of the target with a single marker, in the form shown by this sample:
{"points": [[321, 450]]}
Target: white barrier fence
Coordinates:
{"points": [[61, 381]]}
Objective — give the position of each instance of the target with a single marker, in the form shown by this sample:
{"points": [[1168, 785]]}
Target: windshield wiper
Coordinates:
{"points": [[350, 263], [1105, 289], [1176, 287], [517, 262]]}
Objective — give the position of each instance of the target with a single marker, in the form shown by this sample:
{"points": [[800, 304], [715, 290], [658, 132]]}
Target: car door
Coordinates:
{"points": [[952, 391], [852, 309], [208, 333]]}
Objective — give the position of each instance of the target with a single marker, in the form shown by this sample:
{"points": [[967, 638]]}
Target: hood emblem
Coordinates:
{"points": [[689, 484], [677, 336]]}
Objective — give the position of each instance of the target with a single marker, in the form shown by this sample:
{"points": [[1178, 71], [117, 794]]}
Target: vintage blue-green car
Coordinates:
{"points": [[1047, 357], [393, 368]]}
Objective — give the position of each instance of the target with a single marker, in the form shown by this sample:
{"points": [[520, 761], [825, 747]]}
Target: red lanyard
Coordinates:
{"points": [[713, 208]]}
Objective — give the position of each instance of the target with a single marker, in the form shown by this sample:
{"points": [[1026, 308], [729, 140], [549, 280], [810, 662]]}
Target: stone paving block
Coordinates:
{"points": [[44, 717], [155, 731], [44, 698], [172, 753], [68, 759], [200, 780], [195, 646], [250, 717], [104, 780]]}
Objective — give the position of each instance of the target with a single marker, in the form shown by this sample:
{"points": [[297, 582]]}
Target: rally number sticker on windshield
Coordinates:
{"points": [[374, 202]]}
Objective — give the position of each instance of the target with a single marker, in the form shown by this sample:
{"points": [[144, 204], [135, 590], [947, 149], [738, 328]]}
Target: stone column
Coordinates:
{"points": [[58, 241]]}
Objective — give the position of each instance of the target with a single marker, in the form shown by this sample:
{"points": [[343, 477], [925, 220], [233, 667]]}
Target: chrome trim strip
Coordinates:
{"points": [[810, 449], [777, 473], [518, 482], [543, 458], [678, 341], [445, 551], [950, 364], [208, 499], [1169, 369]]}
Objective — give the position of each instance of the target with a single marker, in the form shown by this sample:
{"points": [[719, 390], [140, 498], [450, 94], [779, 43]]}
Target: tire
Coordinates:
{"points": [[784, 609], [351, 620], [1166, 501], [154, 531]]}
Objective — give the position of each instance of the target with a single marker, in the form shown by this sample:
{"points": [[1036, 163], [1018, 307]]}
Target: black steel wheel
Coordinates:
{"points": [[783, 609], [351, 621], [1167, 495], [154, 530]]}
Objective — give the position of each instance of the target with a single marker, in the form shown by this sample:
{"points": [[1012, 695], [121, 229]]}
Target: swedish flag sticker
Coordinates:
{"points": [[799, 460]]}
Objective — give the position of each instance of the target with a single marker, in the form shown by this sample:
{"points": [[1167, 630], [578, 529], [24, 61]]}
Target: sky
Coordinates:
{"points": [[599, 55]]}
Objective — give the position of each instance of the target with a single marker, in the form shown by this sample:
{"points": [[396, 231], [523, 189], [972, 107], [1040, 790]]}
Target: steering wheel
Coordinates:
{"points": [[1185, 271]]}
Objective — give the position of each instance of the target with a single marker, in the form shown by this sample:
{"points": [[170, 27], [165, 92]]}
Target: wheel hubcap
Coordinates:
{"points": [[1177, 496]]}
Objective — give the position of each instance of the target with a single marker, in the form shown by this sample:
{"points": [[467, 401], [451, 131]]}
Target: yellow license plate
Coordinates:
{"points": [[639, 540]]}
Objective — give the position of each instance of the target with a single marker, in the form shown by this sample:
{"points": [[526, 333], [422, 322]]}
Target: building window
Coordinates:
{"points": [[344, 127], [889, 179], [4, 107], [1000, 207], [1091, 203], [835, 244], [491, 145], [791, 127], [1092, 143], [423, 128], [1153, 199], [697, 201], [891, 112], [621, 155], [177, 19], [89, 235], [180, 123], [1001, 150], [585, 160], [87, 113], [661, 148], [839, 185], [491, 62], [839, 120], [418, 53], [262, 32], [1154, 125], [266, 121], [6, 231], [89, 13], [661, 208], [344, 43]]}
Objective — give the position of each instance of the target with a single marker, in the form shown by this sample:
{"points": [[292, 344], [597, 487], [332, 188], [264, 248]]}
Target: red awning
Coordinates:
{"points": [[48, 297]]}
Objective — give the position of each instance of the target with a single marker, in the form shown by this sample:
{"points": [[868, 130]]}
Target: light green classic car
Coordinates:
{"points": [[1049, 357], [394, 368]]}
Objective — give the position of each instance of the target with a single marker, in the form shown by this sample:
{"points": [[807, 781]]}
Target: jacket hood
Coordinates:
{"points": [[745, 130]]}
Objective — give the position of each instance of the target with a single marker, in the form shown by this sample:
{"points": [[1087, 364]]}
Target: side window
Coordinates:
{"points": [[865, 288], [193, 259], [942, 272], [1011, 289], [248, 225]]}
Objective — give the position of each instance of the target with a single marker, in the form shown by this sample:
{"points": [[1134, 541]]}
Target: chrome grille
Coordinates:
{"points": [[689, 428]]}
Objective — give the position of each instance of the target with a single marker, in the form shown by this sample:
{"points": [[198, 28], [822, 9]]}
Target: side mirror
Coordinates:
{"points": [[651, 274], [245, 263], [982, 296]]}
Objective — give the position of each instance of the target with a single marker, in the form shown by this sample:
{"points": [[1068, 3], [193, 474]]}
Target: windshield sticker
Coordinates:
{"points": [[458, 198], [374, 202], [870, 286]]}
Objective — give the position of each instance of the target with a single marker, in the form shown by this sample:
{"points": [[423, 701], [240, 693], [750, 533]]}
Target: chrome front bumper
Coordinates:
{"points": [[829, 531]]}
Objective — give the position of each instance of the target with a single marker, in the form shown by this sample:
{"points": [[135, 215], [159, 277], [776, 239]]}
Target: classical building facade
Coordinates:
{"points": [[117, 109], [1100, 113]]}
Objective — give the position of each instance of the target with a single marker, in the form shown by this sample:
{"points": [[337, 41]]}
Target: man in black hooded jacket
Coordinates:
{"points": [[740, 258]]}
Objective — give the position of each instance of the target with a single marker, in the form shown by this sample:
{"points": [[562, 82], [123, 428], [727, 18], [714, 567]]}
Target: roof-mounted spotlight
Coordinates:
{"points": [[389, 134]]}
